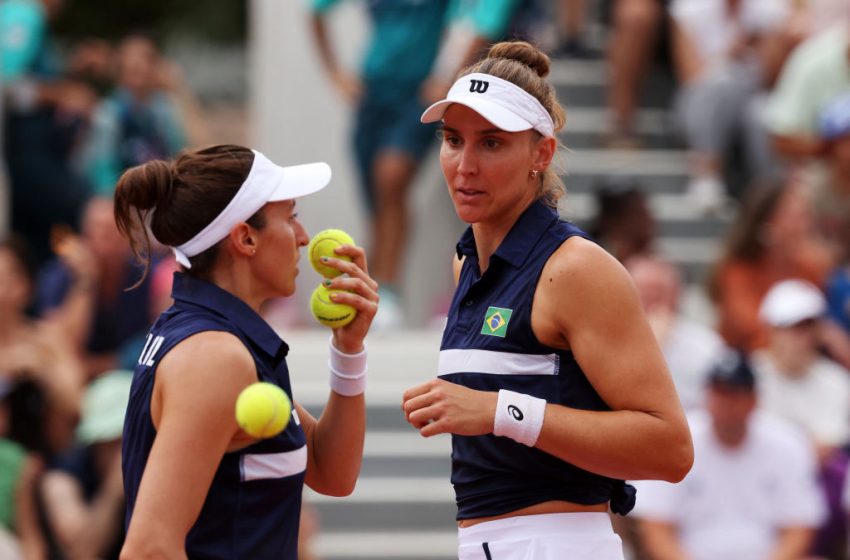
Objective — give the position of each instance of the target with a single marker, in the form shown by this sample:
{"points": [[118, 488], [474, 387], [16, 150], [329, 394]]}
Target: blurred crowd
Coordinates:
{"points": [[761, 99]]}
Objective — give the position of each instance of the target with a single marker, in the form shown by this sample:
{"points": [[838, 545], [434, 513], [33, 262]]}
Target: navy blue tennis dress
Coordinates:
{"points": [[253, 506], [488, 345]]}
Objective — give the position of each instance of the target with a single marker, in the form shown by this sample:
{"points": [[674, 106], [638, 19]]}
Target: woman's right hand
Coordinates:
{"points": [[359, 290]]}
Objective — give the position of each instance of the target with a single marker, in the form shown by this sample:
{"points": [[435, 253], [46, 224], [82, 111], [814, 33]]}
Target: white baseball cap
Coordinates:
{"points": [[505, 104], [790, 302]]}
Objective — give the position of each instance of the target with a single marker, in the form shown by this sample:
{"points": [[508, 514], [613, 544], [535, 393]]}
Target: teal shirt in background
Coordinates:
{"points": [[488, 18], [22, 35], [12, 458], [405, 38]]}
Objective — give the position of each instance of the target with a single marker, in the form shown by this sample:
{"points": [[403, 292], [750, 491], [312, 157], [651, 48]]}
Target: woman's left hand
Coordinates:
{"points": [[359, 291], [441, 407]]}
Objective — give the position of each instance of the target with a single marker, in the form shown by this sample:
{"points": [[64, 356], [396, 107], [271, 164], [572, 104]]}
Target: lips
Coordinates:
{"points": [[467, 194]]}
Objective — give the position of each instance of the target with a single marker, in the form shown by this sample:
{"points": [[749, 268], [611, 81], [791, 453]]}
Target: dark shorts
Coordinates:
{"points": [[388, 127]]}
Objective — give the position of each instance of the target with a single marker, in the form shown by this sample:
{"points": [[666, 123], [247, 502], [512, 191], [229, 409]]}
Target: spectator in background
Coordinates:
{"points": [[572, 17], [139, 121], [43, 118], [799, 384], [817, 71], [838, 286], [727, 54], [689, 348], [388, 140], [19, 471], [795, 380], [772, 239], [83, 493], [86, 286], [637, 28], [38, 363], [832, 187], [624, 224], [752, 491]]}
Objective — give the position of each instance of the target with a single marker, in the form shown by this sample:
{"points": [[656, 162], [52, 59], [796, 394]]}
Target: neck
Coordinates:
{"points": [[490, 234], [791, 363], [235, 278]]}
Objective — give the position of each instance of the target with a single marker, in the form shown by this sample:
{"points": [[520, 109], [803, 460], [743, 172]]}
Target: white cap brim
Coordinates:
{"points": [[300, 180], [500, 117]]}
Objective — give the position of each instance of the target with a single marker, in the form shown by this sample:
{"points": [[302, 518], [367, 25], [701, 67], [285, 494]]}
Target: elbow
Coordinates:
{"points": [[680, 460], [339, 488], [336, 485]]}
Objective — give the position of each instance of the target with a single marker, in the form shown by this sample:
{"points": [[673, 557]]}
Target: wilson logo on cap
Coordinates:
{"points": [[478, 86]]}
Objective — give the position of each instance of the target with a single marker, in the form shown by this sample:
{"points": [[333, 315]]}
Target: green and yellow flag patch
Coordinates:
{"points": [[496, 321]]}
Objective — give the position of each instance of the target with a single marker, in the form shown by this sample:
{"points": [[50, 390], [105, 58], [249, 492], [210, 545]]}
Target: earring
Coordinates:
{"points": [[253, 252], [533, 173]]}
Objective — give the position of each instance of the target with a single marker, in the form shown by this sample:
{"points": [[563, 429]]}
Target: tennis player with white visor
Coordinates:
{"points": [[549, 378], [196, 485]]}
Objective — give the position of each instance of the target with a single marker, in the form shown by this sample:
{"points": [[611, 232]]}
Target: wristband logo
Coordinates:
{"points": [[516, 413]]}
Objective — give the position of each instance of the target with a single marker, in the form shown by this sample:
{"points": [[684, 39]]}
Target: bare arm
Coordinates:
{"points": [[687, 60], [85, 530], [645, 434], [196, 386], [347, 84], [33, 546], [792, 543], [661, 540], [335, 440]]}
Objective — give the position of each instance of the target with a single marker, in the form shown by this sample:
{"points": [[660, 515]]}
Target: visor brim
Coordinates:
{"points": [[496, 114], [300, 180]]}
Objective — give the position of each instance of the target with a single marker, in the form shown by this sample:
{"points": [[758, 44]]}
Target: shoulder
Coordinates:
{"points": [[585, 268], [208, 358]]}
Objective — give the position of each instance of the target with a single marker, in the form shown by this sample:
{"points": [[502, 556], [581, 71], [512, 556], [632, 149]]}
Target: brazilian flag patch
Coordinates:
{"points": [[496, 321]]}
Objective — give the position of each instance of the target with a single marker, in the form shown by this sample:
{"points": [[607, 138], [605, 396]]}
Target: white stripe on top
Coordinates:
{"points": [[500, 363], [260, 466]]}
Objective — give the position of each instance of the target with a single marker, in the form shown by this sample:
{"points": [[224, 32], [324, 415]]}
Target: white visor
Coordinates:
{"points": [[506, 105], [266, 182]]}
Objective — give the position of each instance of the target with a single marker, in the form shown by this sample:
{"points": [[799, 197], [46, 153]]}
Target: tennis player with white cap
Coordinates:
{"points": [[196, 485], [549, 378]]}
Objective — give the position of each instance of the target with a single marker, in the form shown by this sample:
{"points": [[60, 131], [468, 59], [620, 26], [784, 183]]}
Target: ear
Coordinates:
{"points": [[243, 239], [544, 150]]}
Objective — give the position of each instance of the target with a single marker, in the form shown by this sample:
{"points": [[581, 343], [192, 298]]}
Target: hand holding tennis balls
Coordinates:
{"points": [[324, 309], [323, 245], [263, 410]]}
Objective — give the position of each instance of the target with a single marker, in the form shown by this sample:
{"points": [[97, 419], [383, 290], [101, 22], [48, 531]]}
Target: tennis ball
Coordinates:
{"points": [[263, 410], [323, 245], [328, 312]]}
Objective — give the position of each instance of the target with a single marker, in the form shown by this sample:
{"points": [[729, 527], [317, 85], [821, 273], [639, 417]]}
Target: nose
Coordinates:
{"points": [[301, 236], [467, 163]]}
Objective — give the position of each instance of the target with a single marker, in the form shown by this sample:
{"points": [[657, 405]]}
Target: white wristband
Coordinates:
{"points": [[519, 417], [348, 372]]}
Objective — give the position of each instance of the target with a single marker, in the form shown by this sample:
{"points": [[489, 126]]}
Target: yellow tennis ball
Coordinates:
{"points": [[263, 410], [327, 312], [323, 245]]}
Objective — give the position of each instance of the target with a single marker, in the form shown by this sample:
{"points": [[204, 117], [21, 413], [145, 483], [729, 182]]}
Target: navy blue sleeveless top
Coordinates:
{"points": [[253, 506], [488, 345]]}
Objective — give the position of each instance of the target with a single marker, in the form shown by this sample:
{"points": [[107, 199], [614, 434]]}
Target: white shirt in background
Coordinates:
{"points": [[732, 501], [818, 402]]}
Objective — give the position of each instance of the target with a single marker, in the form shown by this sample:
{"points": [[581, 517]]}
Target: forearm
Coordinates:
{"points": [[337, 445], [624, 444], [323, 43], [793, 543], [661, 541], [103, 521]]}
